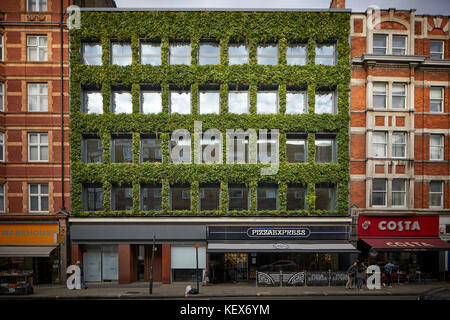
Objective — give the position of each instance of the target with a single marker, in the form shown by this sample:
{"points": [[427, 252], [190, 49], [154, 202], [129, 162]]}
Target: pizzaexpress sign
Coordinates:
{"points": [[278, 232]]}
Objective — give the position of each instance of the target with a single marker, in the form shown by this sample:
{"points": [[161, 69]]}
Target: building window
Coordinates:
{"points": [[325, 102], [212, 154], [151, 199], [296, 197], [389, 44], [184, 151], [151, 100], [92, 102], [267, 54], [379, 44], [121, 148], [209, 197], [267, 150], [238, 101], [151, 53], [398, 45], [379, 95], [379, 191], [2, 146], [267, 197], [436, 193], [267, 101], [296, 102], [37, 97], [296, 54], [2, 96], [37, 48], [92, 197], [209, 100], [122, 197], [436, 147], [180, 197], [92, 148], [91, 54], [398, 96], [398, 192], [37, 147], [326, 54], [121, 101], [180, 53], [208, 53], [436, 50], [436, 99], [237, 54], [296, 148], [121, 53], [1, 48], [150, 149], [180, 101], [37, 5], [379, 144], [398, 145], [238, 196], [2, 197], [326, 196], [325, 149], [240, 149], [38, 197]]}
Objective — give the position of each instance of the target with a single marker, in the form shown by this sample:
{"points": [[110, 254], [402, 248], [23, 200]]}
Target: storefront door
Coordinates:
{"points": [[110, 263], [92, 265]]}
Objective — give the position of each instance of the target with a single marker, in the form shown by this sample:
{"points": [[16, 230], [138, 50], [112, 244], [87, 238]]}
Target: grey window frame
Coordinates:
{"points": [[298, 137], [113, 56], [305, 100], [182, 186], [113, 104], [2, 48], [113, 141], [141, 150], [149, 89], [277, 195], [246, 90], [84, 104], [238, 56], [277, 56], [440, 193], [3, 197], [205, 90], [404, 145], [242, 187], [333, 187], [85, 195], [113, 195], [96, 56], [2, 147], [305, 45], [403, 96], [187, 43], [150, 42], [387, 43], [441, 53], [384, 192], [277, 101], [141, 195], [297, 186], [200, 56], [39, 5], [385, 95], [2, 97], [334, 106], [405, 48], [333, 140], [180, 90], [84, 146], [402, 192], [333, 56], [379, 143]]}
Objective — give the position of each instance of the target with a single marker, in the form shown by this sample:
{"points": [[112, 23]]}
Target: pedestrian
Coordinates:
{"points": [[351, 271], [388, 272], [360, 275], [81, 274]]}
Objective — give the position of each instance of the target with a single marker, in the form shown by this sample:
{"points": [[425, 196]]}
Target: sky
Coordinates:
{"points": [[437, 7]]}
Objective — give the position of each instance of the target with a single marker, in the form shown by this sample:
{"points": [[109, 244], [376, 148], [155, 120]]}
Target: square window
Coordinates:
{"points": [[296, 54], [180, 53], [267, 54], [209, 102], [92, 197], [92, 102], [151, 150], [209, 53], [296, 102], [180, 198], [121, 53], [267, 198], [122, 197], [151, 53], [151, 199], [180, 102], [267, 102], [91, 54], [151, 101], [399, 45], [237, 54], [92, 149], [296, 149], [121, 102], [436, 50], [326, 54], [238, 102], [325, 150], [325, 102], [122, 148]]}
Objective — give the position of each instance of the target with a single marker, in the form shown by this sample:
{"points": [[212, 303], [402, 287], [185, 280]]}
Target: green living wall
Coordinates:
{"points": [[252, 28]]}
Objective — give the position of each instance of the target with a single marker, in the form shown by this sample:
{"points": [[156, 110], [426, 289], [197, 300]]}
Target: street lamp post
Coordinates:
{"points": [[196, 258]]}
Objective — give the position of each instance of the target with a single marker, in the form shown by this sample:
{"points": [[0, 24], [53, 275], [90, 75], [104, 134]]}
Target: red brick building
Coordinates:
{"points": [[400, 132]]}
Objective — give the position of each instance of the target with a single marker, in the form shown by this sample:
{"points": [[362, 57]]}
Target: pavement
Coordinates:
{"points": [[140, 290]]}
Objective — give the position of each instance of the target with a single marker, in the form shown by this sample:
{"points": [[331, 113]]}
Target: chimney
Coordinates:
{"points": [[337, 4]]}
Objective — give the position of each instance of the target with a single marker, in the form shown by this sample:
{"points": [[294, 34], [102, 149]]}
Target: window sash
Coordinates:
{"points": [[296, 102], [436, 99], [326, 106], [398, 145], [41, 148], [325, 150], [151, 199], [208, 58], [40, 99], [41, 196], [398, 96], [2, 197], [206, 97], [122, 106], [92, 58], [379, 192], [267, 58], [398, 192], [397, 49], [436, 197], [2, 146], [237, 58], [37, 5], [119, 54], [40, 50], [154, 58], [176, 101], [1, 47], [89, 106], [379, 143], [292, 58], [2, 96], [93, 155], [379, 93], [93, 198], [234, 105], [325, 59], [273, 103], [437, 55], [379, 49], [436, 148], [183, 58]]}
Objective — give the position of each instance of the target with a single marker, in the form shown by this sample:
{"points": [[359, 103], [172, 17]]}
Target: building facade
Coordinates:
{"points": [[154, 95], [400, 134]]}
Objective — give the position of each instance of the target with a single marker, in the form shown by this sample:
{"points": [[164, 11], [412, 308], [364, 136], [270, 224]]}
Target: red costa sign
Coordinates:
{"points": [[398, 226]]}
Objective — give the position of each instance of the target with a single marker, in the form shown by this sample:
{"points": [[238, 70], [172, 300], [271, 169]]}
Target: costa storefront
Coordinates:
{"points": [[411, 243]]}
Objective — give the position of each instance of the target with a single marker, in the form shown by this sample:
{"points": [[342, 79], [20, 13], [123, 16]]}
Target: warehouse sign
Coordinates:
{"points": [[34, 234]]}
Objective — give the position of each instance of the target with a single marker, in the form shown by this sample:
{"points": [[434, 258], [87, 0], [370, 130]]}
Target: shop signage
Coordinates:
{"points": [[278, 232], [398, 226], [22, 233]]}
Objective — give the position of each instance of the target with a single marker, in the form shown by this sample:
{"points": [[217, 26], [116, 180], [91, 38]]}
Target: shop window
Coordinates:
{"points": [[436, 50], [398, 144], [296, 101], [436, 147], [267, 100], [379, 191], [436, 99], [2, 96], [238, 100], [37, 5], [237, 53], [2, 147], [150, 148], [296, 54], [180, 53], [91, 53], [38, 197], [379, 144], [151, 53], [238, 195], [151, 100], [325, 148], [267, 197], [267, 54], [121, 101], [92, 101], [92, 197], [296, 197], [183, 262], [38, 147], [180, 197], [326, 54], [151, 199], [398, 192], [92, 148], [208, 53], [180, 100], [209, 99], [121, 53], [436, 194], [209, 197], [326, 196], [180, 150], [37, 97], [121, 148], [379, 95], [37, 48], [122, 197], [296, 148], [325, 102], [2, 197]]}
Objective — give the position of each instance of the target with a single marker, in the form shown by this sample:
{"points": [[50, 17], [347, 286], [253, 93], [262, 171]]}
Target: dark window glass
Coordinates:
{"points": [[296, 149], [296, 195], [238, 197], [326, 196], [122, 149], [151, 198], [325, 150], [151, 150], [122, 198], [267, 198], [93, 197], [209, 197], [180, 198], [93, 150]]}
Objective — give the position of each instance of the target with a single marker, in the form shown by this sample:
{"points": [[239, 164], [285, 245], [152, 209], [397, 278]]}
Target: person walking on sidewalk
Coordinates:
{"points": [[81, 274], [360, 275], [351, 271], [388, 272]]}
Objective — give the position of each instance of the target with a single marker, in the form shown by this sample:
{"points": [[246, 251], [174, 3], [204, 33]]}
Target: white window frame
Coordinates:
{"points": [[3, 195], [389, 42], [385, 192], [40, 107], [405, 48], [441, 193], [440, 147], [385, 144], [399, 95], [45, 48], [441, 99], [400, 192], [38, 145], [2, 97], [2, 146], [441, 53], [405, 136], [385, 95], [39, 5], [39, 195]]}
